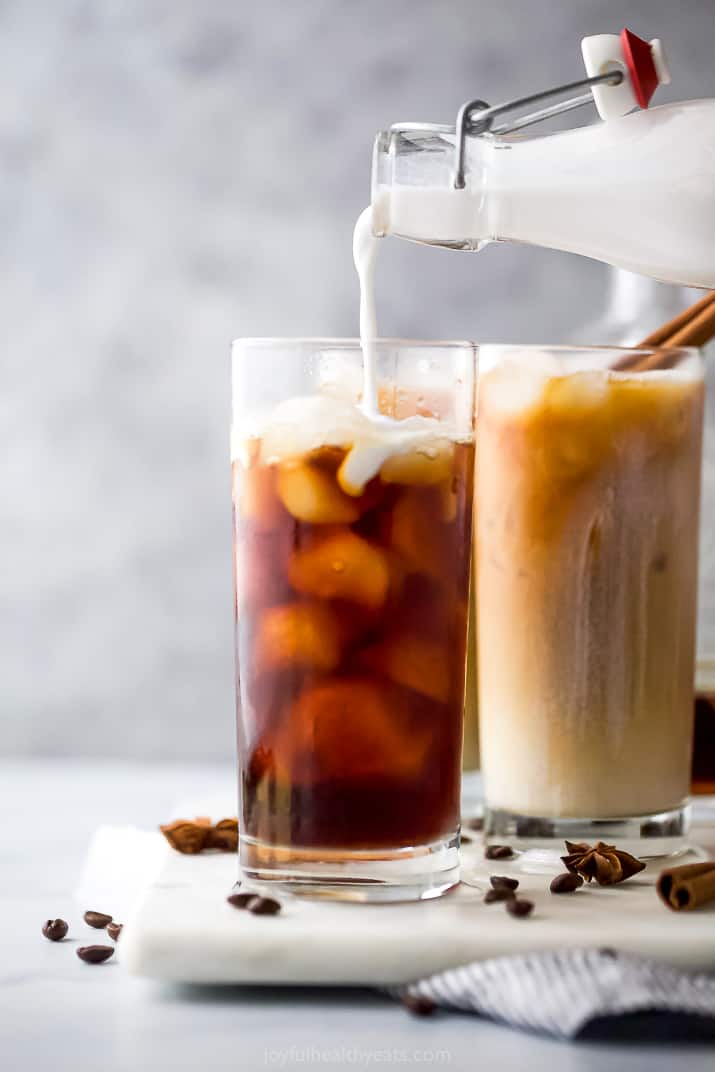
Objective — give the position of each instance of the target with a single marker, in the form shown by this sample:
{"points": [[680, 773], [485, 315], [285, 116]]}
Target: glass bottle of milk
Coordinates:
{"points": [[637, 192]]}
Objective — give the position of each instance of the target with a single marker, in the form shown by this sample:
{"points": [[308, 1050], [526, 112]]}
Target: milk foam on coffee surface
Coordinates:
{"points": [[301, 425]]}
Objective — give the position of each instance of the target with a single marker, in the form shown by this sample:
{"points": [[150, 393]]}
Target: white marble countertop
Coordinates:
{"points": [[56, 1013]]}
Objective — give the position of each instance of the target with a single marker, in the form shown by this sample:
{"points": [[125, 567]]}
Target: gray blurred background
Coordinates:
{"points": [[174, 173]]}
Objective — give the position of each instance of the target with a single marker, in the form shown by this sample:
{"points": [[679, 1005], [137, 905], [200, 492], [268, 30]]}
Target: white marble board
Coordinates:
{"points": [[182, 929]]}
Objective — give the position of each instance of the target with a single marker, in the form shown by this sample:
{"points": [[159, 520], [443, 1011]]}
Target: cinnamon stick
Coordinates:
{"points": [[695, 326], [662, 335], [688, 887], [695, 331]]}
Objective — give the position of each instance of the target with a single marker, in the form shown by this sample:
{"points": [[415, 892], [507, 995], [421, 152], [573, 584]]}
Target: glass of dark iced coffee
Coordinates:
{"points": [[352, 530], [587, 503]]}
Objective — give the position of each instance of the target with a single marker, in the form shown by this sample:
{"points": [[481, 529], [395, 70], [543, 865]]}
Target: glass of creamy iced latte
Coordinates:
{"points": [[587, 502], [352, 496]]}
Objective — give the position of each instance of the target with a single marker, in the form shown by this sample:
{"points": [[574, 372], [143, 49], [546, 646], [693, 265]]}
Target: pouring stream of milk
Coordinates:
{"points": [[300, 425], [365, 245]]}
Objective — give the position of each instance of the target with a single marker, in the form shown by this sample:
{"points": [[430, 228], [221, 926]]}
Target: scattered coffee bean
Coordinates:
{"points": [[114, 930], [566, 883], [241, 900], [418, 1005], [98, 920], [501, 893], [55, 929], [498, 852], [519, 906], [503, 882], [475, 824], [464, 839], [95, 954], [264, 906]]}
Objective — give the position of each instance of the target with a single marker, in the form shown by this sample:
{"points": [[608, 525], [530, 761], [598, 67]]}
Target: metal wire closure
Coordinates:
{"points": [[477, 117]]}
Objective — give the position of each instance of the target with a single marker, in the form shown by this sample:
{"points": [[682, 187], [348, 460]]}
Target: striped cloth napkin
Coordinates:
{"points": [[578, 993]]}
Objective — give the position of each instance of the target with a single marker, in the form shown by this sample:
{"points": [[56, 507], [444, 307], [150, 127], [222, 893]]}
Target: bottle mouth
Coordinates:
{"points": [[429, 129], [402, 140]]}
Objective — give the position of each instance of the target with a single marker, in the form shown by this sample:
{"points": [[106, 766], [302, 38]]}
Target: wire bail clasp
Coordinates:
{"points": [[477, 117]]}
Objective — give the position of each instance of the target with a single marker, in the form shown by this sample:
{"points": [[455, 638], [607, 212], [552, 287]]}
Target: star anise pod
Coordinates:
{"points": [[605, 863]]}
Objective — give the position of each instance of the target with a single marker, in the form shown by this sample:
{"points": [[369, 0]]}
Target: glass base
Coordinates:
{"points": [[542, 839], [416, 873]]}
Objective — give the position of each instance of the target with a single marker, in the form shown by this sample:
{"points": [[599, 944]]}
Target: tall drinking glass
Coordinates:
{"points": [[588, 490], [352, 550]]}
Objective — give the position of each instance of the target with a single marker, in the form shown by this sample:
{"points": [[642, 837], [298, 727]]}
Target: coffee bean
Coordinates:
{"points": [[519, 906], [95, 954], [55, 929], [566, 883], [475, 824], [464, 839], [264, 906], [418, 1005], [98, 920], [503, 882], [498, 852], [501, 893], [241, 900], [114, 930]]}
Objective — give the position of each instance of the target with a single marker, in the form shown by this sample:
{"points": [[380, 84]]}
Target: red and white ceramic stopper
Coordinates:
{"points": [[642, 63]]}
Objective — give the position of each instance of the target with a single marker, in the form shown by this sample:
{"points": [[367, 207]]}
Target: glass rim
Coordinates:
{"points": [[347, 342], [355, 343], [596, 348]]}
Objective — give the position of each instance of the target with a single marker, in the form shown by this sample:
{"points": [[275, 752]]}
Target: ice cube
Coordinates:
{"points": [[416, 662], [342, 566], [348, 729], [515, 386], [416, 533], [578, 393], [298, 635], [430, 464], [311, 495]]}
